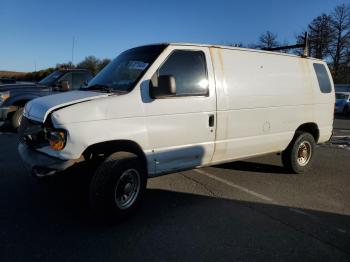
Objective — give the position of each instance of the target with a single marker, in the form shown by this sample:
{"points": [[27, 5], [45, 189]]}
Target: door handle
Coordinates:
{"points": [[211, 120]]}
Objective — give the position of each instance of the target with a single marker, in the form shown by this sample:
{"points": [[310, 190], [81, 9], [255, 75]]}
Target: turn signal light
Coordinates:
{"points": [[57, 139]]}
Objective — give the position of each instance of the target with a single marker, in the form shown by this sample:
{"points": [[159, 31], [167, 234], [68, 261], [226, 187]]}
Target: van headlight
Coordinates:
{"points": [[56, 138], [4, 96]]}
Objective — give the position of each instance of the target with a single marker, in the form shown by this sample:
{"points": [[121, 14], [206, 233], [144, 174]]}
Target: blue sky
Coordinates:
{"points": [[41, 31]]}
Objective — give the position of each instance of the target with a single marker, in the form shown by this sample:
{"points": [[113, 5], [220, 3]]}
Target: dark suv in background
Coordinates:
{"points": [[13, 97]]}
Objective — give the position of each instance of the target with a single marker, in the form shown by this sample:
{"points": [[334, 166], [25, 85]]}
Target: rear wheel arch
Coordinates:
{"points": [[311, 128]]}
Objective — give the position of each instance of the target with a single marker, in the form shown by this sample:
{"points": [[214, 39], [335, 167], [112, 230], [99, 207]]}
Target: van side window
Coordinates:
{"points": [[323, 79], [190, 72]]}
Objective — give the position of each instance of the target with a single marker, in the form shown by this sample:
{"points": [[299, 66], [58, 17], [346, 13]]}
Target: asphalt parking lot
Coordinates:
{"points": [[248, 210]]}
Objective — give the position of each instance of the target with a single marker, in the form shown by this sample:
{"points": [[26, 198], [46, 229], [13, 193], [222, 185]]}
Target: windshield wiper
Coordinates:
{"points": [[105, 88], [100, 87]]}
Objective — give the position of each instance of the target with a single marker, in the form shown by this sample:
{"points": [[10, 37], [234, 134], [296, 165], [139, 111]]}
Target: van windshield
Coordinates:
{"points": [[123, 72]]}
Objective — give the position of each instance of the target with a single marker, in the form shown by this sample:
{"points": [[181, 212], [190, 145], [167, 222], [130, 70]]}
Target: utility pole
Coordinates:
{"points": [[73, 50]]}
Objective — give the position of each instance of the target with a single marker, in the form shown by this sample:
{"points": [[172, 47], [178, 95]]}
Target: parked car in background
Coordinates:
{"points": [[339, 88], [13, 97], [164, 108], [342, 103], [4, 81]]}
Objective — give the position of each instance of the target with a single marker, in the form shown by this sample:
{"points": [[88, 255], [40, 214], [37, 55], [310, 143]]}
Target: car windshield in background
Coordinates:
{"points": [[124, 71], [341, 96], [51, 78]]}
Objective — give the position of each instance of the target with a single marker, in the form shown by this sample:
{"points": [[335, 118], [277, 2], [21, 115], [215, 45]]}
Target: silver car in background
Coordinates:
{"points": [[342, 103]]}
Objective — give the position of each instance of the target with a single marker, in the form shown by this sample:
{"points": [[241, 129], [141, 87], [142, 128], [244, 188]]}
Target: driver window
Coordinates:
{"points": [[190, 72]]}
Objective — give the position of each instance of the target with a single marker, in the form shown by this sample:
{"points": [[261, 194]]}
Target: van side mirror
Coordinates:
{"points": [[63, 85], [162, 86]]}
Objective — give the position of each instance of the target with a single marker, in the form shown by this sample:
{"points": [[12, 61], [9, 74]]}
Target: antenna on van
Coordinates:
{"points": [[304, 45]]}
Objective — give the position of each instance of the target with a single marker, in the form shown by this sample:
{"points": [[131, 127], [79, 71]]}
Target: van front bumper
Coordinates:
{"points": [[40, 164]]}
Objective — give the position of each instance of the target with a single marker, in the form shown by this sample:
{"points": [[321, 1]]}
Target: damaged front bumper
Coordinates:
{"points": [[40, 164]]}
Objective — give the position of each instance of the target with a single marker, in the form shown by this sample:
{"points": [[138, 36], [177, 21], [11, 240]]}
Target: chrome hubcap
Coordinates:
{"points": [[304, 153], [127, 188]]}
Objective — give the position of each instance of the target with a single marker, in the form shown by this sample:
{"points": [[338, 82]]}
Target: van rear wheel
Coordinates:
{"points": [[298, 156], [117, 186]]}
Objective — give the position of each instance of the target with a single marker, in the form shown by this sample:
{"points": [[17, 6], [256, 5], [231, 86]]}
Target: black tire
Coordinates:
{"points": [[301, 141], [16, 118], [345, 110], [108, 182]]}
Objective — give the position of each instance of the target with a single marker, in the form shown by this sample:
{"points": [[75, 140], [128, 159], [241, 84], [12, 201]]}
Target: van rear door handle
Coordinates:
{"points": [[211, 120]]}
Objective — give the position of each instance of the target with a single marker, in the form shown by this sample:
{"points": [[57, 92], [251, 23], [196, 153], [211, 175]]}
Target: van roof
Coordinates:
{"points": [[236, 48]]}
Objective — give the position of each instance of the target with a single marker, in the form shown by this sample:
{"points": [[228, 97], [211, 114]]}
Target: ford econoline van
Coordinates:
{"points": [[163, 108]]}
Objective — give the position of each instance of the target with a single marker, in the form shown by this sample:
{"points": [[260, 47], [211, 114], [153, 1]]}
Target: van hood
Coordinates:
{"points": [[39, 108]]}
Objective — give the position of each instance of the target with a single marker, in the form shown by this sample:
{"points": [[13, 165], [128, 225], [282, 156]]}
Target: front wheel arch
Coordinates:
{"points": [[104, 149]]}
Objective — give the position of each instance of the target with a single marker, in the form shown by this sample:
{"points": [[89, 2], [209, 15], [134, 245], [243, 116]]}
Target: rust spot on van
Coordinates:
{"points": [[218, 56], [304, 66], [220, 59], [212, 55]]}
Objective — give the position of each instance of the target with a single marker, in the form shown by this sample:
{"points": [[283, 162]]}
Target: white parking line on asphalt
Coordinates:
{"points": [[342, 130], [304, 213], [241, 188], [340, 136]]}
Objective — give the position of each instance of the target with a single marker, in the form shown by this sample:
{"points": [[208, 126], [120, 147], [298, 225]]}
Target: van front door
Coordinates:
{"points": [[181, 127]]}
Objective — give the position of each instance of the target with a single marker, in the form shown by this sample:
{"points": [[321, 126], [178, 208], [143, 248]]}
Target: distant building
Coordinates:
{"points": [[342, 88]]}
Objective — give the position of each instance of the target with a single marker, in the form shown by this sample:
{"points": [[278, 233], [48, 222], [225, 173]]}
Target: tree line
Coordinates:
{"points": [[91, 63]]}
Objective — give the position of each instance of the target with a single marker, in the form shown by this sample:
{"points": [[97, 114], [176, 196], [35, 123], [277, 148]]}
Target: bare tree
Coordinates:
{"points": [[340, 44], [267, 40], [320, 36]]}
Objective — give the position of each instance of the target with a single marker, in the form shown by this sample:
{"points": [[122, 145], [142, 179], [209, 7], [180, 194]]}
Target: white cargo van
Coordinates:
{"points": [[162, 108]]}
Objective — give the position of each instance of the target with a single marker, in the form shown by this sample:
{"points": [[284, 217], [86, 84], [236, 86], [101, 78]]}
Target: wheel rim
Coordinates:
{"points": [[127, 189], [304, 153]]}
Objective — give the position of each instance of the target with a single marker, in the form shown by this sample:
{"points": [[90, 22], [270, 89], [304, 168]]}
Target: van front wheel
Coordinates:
{"points": [[117, 186], [298, 156]]}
